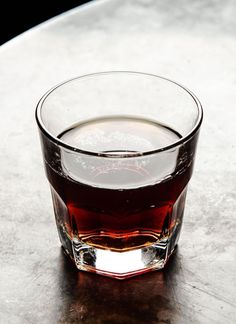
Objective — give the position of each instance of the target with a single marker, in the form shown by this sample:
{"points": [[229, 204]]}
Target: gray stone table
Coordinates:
{"points": [[193, 42]]}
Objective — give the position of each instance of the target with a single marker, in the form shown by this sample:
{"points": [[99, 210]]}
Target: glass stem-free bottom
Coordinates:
{"points": [[119, 264]]}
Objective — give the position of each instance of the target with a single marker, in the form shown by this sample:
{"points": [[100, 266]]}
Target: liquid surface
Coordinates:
{"points": [[119, 134], [118, 137], [119, 205]]}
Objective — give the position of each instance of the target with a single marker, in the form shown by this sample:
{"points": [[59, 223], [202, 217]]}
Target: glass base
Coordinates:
{"points": [[120, 265]]}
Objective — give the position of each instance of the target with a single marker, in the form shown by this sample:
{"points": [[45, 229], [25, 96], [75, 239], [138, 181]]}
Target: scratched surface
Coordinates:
{"points": [[191, 42]]}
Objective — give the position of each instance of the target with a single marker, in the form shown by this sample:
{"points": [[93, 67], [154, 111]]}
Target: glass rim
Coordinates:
{"points": [[59, 142]]}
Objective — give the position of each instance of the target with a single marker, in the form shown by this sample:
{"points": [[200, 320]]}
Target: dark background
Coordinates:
{"points": [[18, 16]]}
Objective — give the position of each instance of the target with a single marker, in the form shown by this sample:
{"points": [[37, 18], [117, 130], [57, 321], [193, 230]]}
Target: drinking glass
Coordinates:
{"points": [[118, 151]]}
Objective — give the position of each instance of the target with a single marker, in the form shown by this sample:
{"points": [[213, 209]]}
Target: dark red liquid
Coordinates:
{"points": [[119, 219]]}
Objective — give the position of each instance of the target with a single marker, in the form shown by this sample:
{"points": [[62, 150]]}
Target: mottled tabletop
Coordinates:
{"points": [[192, 42]]}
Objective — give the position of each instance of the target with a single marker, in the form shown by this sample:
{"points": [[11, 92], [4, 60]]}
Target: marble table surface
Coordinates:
{"points": [[193, 43]]}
